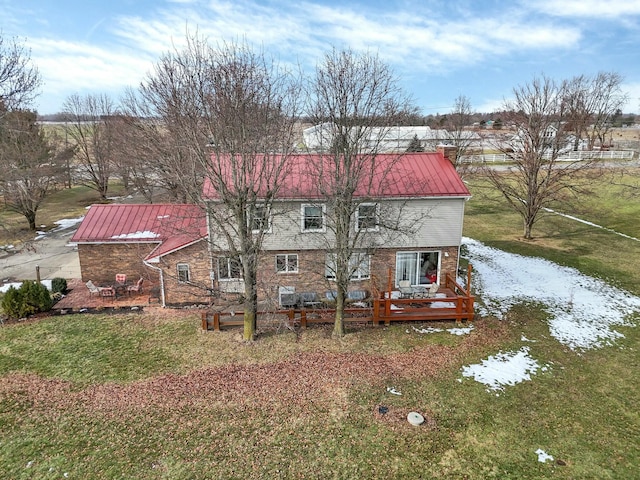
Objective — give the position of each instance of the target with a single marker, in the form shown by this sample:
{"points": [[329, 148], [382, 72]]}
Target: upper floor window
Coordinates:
{"points": [[184, 275], [287, 263], [260, 220], [313, 218], [367, 217], [229, 268]]}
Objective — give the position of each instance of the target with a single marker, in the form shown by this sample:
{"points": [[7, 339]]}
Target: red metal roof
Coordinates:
{"points": [[172, 226], [427, 174]]}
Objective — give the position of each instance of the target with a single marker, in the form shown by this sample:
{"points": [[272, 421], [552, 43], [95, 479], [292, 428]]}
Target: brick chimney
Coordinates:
{"points": [[448, 152]]}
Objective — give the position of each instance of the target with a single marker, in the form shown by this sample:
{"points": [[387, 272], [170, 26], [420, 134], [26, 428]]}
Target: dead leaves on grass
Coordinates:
{"points": [[314, 380]]}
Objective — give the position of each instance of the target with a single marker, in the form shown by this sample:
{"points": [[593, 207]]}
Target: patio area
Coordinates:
{"points": [[79, 297]]}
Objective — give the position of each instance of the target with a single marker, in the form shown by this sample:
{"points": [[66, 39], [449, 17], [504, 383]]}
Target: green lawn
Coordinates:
{"points": [[152, 396]]}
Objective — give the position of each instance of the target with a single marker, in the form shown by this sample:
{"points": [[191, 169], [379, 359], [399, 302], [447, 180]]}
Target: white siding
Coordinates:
{"points": [[434, 222]]}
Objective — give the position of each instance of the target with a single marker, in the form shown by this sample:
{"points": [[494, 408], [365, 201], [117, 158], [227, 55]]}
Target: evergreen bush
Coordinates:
{"points": [[59, 284], [32, 297]]}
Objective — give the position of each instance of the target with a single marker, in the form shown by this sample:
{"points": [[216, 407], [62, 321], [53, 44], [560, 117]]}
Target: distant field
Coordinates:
{"points": [[594, 251]]}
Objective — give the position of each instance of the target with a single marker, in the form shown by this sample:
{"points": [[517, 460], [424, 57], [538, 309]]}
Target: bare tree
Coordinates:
{"points": [[538, 177], [357, 97], [456, 125], [590, 105], [29, 167], [89, 124], [224, 114], [19, 80]]}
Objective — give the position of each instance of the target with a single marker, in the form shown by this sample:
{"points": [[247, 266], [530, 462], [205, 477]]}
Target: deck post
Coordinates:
{"points": [[216, 321], [376, 312], [205, 323], [303, 319]]}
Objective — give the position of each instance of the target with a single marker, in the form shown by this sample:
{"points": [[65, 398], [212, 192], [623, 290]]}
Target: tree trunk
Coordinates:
{"points": [[338, 326], [250, 306], [31, 218], [528, 226]]}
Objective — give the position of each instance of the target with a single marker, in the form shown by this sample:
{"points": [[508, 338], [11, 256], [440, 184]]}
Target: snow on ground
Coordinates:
{"points": [[503, 369], [63, 224], [453, 331], [583, 310], [6, 286]]}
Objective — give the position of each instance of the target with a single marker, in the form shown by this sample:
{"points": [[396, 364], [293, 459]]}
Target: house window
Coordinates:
{"points": [[229, 268], [367, 217], [420, 268], [359, 266], [287, 263], [260, 220], [183, 272], [313, 218]]}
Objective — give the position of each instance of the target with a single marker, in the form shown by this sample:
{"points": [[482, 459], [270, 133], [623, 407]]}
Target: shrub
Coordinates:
{"points": [[59, 284], [30, 298]]}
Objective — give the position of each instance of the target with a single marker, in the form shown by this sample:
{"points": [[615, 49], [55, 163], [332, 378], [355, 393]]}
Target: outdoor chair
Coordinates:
{"points": [[288, 300], [107, 292], [137, 287], [405, 288], [92, 288], [121, 278], [309, 299], [433, 289]]}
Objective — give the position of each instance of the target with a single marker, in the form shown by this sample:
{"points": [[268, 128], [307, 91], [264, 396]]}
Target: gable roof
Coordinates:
{"points": [[422, 174], [171, 226]]}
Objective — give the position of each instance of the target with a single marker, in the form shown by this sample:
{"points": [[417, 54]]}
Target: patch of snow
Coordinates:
{"points": [[68, 223], [452, 331], [427, 330], [138, 234], [583, 309], [503, 369], [4, 288], [543, 456], [393, 391], [460, 330]]}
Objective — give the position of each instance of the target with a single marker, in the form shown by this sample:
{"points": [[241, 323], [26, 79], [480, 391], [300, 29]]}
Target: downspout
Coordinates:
{"points": [[161, 281]]}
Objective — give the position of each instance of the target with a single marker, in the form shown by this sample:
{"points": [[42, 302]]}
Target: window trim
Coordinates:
{"points": [[228, 261], [180, 271], [330, 273], [323, 218], [376, 217], [417, 274], [286, 263], [268, 219]]}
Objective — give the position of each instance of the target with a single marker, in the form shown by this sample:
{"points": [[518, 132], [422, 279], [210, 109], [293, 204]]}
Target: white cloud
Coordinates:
{"points": [[587, 8]]}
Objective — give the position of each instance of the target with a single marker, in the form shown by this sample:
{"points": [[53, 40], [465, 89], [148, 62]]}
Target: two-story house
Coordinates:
{"points": [[409, 229]]}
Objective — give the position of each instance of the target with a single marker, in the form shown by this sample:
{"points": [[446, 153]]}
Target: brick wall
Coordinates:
{"points": [[197, 291], [100, 263]]}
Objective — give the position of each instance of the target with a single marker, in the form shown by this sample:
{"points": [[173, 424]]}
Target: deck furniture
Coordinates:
{"points": [[107, 292], [121, 279], [137, 287], [288, 300], [309, 300], [405, 289], [92, 288]]}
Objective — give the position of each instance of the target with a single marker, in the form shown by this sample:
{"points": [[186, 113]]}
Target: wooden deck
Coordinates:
{"points": [[453, 302]]}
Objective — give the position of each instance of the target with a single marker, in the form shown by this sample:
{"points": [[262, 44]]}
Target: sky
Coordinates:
{"points": [[439, 49]]}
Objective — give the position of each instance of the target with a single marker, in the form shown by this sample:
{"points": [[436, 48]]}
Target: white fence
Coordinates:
{"points": [[567, 157]]}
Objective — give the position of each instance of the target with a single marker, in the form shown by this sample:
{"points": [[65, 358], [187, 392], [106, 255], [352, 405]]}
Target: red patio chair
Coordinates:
{"points": [[121, 278], [107, 292], [137, 287]]}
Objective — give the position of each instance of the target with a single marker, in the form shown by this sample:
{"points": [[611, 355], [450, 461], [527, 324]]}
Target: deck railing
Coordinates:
{"points": [[457, 305]]}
